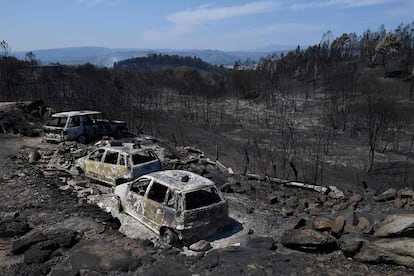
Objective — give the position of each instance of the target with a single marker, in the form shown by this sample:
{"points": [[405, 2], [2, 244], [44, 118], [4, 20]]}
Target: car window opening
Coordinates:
{"points": [[140, 187], [111, 157], [97, 155], [138, 159], [157, 192], [57, 122], [201, 198]]}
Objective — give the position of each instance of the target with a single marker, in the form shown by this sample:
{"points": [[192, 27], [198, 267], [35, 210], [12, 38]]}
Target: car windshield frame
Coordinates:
{"points": [[57, 121]]}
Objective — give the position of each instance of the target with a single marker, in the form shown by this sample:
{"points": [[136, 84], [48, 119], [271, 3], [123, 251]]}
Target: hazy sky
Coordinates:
{"points": [[190, 24]]}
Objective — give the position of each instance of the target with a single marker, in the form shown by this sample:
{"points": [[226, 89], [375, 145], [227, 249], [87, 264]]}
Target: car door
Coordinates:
{"points": [[93, 163], [124, 167], [135, 196], [160, 205], [74, 128], [153, 205], [109, 168]]}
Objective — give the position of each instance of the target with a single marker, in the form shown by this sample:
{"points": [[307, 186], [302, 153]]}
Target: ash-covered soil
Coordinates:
{"points": [[56, 222]]}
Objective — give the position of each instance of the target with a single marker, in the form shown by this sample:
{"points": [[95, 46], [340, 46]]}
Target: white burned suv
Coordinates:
{"points": [[118, 163], [84, 126], [176, 204]]}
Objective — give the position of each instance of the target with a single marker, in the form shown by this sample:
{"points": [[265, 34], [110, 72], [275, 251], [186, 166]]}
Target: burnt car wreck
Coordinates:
{"points": [[180, 206], [119, 163], [83, 126]]}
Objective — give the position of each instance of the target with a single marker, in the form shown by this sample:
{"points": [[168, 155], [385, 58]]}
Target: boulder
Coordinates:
{"points": [[401, 225], [406, 193], [202, 245], [353, 201], [388, 195], [351, 246], [363, 225], [335, 193], [322, 223], [397, 251], [13, 227], [308, 240], [338, 225]]}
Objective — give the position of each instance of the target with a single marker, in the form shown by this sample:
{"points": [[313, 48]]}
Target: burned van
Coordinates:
{"points": [[176, 204], [83, 126]]}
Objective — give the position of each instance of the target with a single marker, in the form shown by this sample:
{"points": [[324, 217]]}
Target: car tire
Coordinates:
{"points": [[169, 237]]}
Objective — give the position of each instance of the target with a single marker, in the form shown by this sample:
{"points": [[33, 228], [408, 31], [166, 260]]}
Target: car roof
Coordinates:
{"points": [[175, 180], [76, 113], [125, 147]]}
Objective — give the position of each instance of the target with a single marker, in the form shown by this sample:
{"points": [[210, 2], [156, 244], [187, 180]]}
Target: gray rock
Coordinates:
{"points": [[322, 223], [338, 225], [308, 240], [389, 194], [350, 246], [401, 225], [397, 251], [202, 245], [364, 225]]}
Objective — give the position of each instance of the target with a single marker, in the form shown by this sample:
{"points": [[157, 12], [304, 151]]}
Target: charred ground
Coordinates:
{"points": [[51, 222]]}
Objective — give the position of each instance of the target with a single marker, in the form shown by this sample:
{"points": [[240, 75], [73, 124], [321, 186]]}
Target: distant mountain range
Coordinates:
{"points": [[101, 56]]}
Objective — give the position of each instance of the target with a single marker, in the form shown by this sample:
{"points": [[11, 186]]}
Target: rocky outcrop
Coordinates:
{"points": [[397, 251], [308, 240], [401, 225]]}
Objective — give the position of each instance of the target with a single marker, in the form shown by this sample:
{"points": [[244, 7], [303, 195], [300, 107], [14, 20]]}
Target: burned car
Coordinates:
{"points": [[178, 205], [83, 126], [119, 163]]}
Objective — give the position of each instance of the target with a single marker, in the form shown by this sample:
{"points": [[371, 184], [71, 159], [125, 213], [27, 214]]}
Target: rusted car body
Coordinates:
{"points": [[118, 164], [177, 205], [83, 126]]}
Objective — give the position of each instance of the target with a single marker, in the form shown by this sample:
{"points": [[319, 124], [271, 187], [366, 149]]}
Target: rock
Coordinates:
{"points": [[22, 245], [322, 223], [401, 225], [350, 247], [397, 251], [272, 199], [286, 212], [262, 243], [14, 227], [389, 194], [308, 240], [202, 245], [349, 216], [66, 238], [353, 201], [34, 156], [40, 252], [351, 229], [338, 225], [399, 203], [363, 225], [335, 193], [99, 254], [406, 193]]}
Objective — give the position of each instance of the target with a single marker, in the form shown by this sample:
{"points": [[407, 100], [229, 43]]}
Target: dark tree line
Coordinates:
{"points": [[345, 74]]}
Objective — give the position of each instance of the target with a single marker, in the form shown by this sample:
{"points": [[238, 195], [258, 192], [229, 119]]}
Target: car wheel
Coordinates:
{"points": [[169, 237], [82, 139]]}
